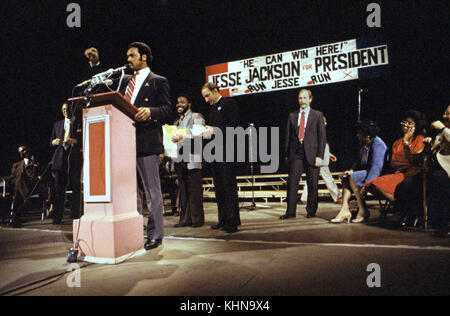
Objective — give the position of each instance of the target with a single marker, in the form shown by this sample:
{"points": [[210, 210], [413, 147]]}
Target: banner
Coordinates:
{"points": [[322, 64]]}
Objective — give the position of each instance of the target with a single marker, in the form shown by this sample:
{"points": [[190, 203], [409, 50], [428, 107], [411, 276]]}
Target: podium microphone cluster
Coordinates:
{"points": [[102, 77]]}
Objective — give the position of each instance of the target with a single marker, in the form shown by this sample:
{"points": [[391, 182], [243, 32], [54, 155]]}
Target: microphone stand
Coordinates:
{"points": [[359, 103], [87, 93], [73, 252], [250, 139]]}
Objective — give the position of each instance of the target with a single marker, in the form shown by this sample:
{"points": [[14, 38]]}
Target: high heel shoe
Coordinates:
{"points": [[362, 219], [342, 218]]}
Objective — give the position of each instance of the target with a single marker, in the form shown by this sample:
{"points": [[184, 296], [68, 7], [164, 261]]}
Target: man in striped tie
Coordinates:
{"points": [[304, 148], [149, 92]]}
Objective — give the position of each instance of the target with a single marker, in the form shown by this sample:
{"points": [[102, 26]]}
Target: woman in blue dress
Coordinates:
{"points": [[367, 167]]}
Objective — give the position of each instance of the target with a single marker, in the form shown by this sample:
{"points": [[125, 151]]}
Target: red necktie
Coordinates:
{"points": [[130, 87], [301, 129]]}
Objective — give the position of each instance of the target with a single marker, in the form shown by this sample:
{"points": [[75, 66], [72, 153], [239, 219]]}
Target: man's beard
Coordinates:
{"points": [[183, 112]]}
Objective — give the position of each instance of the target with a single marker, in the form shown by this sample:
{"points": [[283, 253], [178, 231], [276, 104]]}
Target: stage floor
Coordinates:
{"points": [[267, 257]]}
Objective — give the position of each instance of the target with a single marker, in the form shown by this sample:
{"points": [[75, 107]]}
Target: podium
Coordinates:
{"points": [[111, 229]]}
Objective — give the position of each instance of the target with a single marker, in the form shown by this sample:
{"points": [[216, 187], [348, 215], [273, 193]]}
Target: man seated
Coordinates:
{"points": [[23, 178]]}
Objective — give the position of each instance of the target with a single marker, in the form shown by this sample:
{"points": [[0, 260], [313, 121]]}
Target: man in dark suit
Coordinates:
{"points": [[149, 92], [224, 113], [23, 178], [304, 149], [66, 163]]}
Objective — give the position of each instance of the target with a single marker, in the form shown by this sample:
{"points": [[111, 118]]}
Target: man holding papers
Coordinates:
{"points": [[189, 171]]}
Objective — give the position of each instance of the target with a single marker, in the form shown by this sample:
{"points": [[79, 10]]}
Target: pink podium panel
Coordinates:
{"points": [[111, 229]]}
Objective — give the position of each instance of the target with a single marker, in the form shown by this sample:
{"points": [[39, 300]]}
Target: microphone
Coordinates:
{"points": [[84, 83], [121, 68], [101, 77], [109, 72]]}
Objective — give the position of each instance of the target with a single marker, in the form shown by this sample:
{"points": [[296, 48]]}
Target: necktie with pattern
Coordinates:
{"points": [[130, 87]]}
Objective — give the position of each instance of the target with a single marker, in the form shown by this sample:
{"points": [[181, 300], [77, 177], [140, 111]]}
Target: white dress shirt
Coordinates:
{"points": [[140, 78]]}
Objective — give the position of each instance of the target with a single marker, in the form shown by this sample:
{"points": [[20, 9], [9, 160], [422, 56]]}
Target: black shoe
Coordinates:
{"points": [[230, 230], [15, 223], [287, 216], [181, 225], [150, 244], [217, 226], [310, 215], [197, 225]]}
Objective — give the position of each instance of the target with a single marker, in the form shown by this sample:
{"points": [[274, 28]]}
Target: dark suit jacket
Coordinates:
{"points": [[315, 136], [155, 95], [59, 155], [223, 114], [23, 177]]}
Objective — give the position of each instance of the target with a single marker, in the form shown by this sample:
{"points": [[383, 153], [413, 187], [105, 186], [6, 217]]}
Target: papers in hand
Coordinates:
{"points": [[197, 130], [170, 147]]}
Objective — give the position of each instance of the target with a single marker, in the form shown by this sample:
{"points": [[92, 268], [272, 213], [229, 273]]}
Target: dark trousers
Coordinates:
{"points": [[438, 198], [191, 195], [297, 165], [24, 188], [409, 197], [226, 194], [62, 179]]}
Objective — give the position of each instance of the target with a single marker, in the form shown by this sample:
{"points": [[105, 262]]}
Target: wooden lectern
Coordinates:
{"points": [[111, 229]]}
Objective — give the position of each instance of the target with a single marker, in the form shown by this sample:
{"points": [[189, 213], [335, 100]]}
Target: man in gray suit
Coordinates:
{"points": [[189, 171], [304, 149]]}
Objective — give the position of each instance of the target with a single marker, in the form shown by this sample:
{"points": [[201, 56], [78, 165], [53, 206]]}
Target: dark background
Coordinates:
{"points": [[42, 59]]}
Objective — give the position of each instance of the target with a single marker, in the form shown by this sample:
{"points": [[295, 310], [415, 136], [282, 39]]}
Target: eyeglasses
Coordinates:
{"points": [[406, 123]]}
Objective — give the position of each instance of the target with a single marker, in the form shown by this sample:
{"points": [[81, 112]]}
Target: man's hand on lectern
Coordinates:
{"points": [[143, 114]]}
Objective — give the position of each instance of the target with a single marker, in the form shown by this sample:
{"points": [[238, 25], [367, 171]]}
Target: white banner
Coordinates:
{"points": [[300, 68]]}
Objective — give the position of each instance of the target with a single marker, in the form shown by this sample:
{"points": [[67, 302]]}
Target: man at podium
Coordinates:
{"points": [[149, 92]]}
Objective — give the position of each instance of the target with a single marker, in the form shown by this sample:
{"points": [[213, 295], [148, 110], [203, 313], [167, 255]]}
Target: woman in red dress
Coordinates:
{"points": [[406, 158]]}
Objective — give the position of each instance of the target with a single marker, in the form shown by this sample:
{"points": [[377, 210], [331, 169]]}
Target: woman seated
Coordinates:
{"points": [[406, 158], [410, 193], [367, 167]]}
